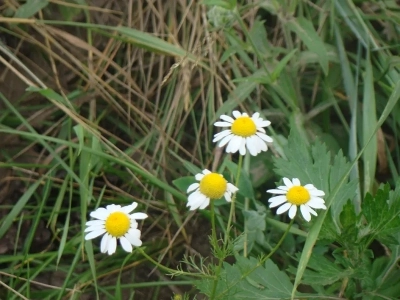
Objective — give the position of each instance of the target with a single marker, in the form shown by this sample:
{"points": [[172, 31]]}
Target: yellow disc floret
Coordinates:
{"points": [[298, 195], [117, 224], [213, 185], [244, 127]]}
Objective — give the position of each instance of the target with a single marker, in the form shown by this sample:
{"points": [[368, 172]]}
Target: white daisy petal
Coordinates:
{"points": [[264, 137], [305, 212], [234, 144], [204, 204], [264, 123], [251, 144], [113, 207], [311, 210], [260, 130], [316, 205], [228, 197], [199, 176], [139, 216], [195, 201], [317, 200], [256, 115], [94, 234], [222, 124], [292, 211], [242, 147], [225, 140], [129, 208], [126, 245], [222, 135], [287, 182], [95, 227], [261, 145], [232, 188], [101, 213], [104, 243], [316, 193], [296, 181], [283, 208], [274, 191], [276, 201], [192, 187], [133, 237], [236, 114], [112, 245], [95, 222], [227, 118]]}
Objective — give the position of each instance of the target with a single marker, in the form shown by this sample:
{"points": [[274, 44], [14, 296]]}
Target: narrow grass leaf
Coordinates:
{"points": [[18, 207], [369, 125], [351, 92], [306, 32], [29, 8], [241, 92]]}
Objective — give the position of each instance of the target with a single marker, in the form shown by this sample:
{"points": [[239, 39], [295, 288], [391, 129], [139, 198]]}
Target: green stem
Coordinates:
{"points": [[228, 227], [232, 211], [213, 229], [246, 167], [172, 271], [279, 243]]}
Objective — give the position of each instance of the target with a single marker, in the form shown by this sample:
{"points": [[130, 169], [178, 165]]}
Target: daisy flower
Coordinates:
{"points": [[244, 132], [210, 186], [115, 222], [293, 194]]}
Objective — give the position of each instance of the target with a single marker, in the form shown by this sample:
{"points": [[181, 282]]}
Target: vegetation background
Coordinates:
{"points": [[110, 101]]}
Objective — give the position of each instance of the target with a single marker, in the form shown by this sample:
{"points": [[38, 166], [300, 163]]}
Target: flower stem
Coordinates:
{"points": [[228, 228], [232, 211], [213, 229], [279, 243], [246, 208], [171, 271]]}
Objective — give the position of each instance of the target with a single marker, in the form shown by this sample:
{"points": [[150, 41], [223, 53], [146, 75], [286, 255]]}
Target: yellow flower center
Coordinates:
{"points": [[298, 195], [117, 224], [244, 127], [213, 185]]}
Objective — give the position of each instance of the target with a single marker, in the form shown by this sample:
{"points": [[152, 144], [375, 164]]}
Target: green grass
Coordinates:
{"points": [[112, 106]]}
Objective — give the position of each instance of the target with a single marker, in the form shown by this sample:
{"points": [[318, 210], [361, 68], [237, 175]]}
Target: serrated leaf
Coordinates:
{"points": [[323, 271], [382, 211], [246, 279], [256, 225]]}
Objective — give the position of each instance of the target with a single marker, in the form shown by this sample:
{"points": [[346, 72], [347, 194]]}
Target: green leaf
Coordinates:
{"points": [[346, 191], [382, 212], [241, 92], [30, 8], [247, 279], [323, 271], [368, 127], [256, 225], [183, 183], [306, 32]]}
